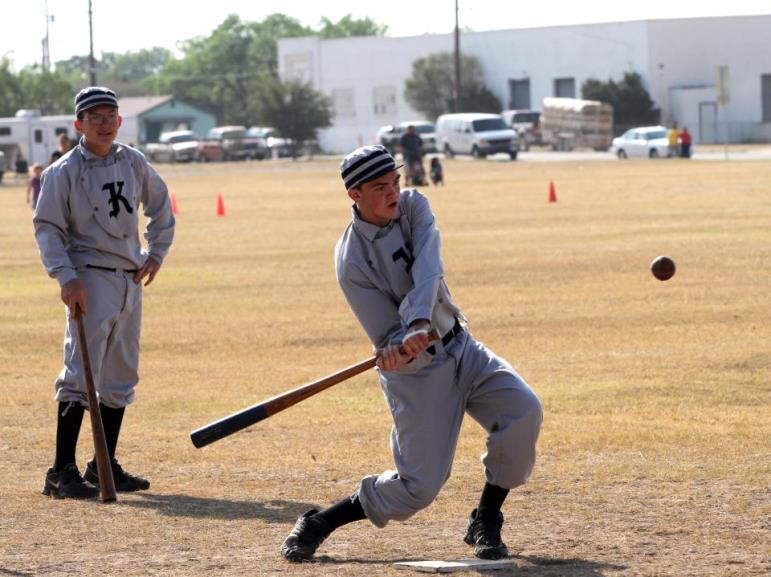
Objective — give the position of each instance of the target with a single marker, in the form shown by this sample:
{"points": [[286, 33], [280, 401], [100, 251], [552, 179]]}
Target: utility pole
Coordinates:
{"points": [[91, 61], [457, 60], [46, 51]]}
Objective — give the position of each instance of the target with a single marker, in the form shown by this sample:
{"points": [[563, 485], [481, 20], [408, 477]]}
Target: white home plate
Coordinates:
{"points": [[456, 565]]}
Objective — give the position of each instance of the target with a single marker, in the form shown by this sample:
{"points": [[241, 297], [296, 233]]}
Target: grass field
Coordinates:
{"points": [[654, 453]]}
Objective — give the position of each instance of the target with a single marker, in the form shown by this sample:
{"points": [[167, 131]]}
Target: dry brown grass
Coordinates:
{"points": [[654, 454]]}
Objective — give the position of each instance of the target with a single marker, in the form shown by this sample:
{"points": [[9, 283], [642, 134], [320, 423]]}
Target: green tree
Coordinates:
{"points": [[125, 73], [11, 93], [348, 26], [224, 71], [49, 92], [295, 110], [33, 88], [632, 105], [431, 87]]}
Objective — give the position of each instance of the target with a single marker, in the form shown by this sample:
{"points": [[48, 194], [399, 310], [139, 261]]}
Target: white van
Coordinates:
{"points": [[477, 134]]}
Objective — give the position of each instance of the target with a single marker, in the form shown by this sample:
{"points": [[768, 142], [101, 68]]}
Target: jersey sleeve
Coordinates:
{"points": [[159, 232], [427, 268], [50, 220], [376, 312]]}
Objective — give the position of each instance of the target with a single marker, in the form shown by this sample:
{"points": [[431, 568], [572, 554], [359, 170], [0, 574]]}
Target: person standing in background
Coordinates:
{"points": [[33, 188]]}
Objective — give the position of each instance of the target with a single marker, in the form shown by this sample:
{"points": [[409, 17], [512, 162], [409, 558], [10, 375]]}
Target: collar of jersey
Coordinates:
{"points": [[372, 231], [88, 155]]}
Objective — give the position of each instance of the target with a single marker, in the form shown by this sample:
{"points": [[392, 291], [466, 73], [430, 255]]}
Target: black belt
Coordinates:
{"points": [[454, 332], [107, 268]]}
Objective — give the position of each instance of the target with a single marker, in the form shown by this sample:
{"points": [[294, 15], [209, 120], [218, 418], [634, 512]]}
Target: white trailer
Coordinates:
{"points": [[30, 137]]}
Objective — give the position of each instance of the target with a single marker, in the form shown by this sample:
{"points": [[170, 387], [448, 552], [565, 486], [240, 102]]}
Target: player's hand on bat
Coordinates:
{"points": [[75, 295], [416, 340], [149, 270], [392, 358]]}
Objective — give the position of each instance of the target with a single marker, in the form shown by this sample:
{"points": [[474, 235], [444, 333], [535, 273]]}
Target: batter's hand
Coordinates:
{"points": [[75, 295], [392, 358], [149, 270], [416, 340]]}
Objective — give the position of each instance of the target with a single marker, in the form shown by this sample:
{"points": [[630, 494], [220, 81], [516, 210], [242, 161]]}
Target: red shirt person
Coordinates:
{"points": [[685, 143]]}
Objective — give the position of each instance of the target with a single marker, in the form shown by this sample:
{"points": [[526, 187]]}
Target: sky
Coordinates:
{"points": [[137, 24]]}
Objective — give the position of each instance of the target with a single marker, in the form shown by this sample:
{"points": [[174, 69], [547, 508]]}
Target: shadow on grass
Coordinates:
{"points": [[4, 571], [538, 566], [534, 566], [276, 511]]}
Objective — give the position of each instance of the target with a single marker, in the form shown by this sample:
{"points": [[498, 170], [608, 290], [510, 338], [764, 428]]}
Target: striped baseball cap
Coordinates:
{"points": [[366, 163], [94, 96]]}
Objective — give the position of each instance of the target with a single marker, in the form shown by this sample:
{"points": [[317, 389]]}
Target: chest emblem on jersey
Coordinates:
{"points": [[116, 198], [405, 254]]}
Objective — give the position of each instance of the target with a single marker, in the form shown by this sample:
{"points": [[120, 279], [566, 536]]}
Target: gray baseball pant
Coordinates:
{"points": [[428, 408], [112, 326]]}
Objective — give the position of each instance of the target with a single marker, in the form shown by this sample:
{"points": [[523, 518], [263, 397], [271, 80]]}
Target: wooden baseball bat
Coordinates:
{"points": [[261, 411], [102, 456]]}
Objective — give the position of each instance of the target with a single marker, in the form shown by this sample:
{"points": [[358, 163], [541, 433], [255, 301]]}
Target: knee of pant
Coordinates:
{"points": [[536, 411], [116, 399], [421, 494]]}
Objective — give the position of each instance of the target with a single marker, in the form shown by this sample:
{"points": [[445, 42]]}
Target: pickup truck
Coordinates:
{"points": [[225, 143], [176, 146]]}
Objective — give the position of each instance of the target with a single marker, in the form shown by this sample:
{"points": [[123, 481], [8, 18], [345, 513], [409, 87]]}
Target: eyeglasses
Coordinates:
{"points": [[99, 119]]}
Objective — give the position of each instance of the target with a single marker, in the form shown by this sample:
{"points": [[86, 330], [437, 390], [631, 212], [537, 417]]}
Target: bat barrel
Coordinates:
{"points": [[228, 425]]}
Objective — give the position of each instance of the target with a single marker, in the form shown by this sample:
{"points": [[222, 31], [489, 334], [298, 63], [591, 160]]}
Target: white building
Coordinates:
{"points": [[677, 59]]}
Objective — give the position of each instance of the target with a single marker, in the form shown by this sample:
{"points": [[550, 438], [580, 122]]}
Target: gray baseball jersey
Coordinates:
{"points": [[86, 226], [392, 276]]}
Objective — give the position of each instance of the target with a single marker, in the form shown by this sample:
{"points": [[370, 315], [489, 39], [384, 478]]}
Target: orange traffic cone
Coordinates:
{"points": [[220, 205], [174, 207], [552, 192]]}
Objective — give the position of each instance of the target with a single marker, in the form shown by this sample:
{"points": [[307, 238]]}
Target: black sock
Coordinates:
{"points": [[491, 500], [346, 511], [111, 421], [69, 416]]}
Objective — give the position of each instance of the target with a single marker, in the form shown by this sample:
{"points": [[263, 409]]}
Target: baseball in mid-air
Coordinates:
{"points": [[663, 267]]}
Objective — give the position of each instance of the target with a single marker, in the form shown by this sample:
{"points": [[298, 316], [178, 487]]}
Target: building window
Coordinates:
{"points": [[384, 101], [298, 67], [765, 96], [343, 100], [565, 87], [519, 94]]}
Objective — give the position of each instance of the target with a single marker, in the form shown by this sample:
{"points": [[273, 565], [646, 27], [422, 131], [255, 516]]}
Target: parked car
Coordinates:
{"points": [[224, 143], [2, 165], [277, 146], [525, 124], [390, 134], [642, 142], [256, 145], [175, 146], [477, 134]]}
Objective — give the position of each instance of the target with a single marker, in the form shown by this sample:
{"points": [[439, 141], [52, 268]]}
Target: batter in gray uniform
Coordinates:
{"points": [[389, 267], [86, 228]]}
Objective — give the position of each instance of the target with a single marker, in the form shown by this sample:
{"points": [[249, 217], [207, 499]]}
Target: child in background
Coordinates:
{"points": [[437, 174], [33, 188]]}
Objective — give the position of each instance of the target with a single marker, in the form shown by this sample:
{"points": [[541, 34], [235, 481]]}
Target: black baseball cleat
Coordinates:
{"points": [[124, 482], [68, 484], [306, 536], [484, 533]]}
